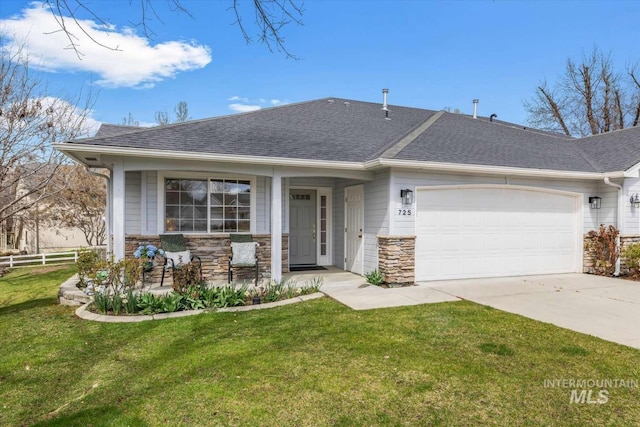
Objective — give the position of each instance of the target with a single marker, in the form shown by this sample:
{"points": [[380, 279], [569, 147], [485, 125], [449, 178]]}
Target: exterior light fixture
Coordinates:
{"points": [[635, 201], [407, 196], [594, 202]]}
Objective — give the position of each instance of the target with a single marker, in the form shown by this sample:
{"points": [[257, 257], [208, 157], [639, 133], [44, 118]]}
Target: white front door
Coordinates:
{"points": [[302, 227], [354, 228]]}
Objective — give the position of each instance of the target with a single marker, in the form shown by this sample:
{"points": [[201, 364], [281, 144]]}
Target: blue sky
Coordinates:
{"points": [[430, 54]]}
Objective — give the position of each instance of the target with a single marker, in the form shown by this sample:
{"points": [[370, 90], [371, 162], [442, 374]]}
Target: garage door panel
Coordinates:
{"points": [[485, 232]]}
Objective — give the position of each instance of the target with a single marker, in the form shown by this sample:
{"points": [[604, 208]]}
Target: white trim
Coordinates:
{"points": [[162, 175], [72, 148], [144, 223], [276, 227], [189, 155], [320, 191], [119, 211], [491, 170], [578, 200]]}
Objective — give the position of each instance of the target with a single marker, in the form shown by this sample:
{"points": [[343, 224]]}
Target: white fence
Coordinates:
{"points": [[68, 257], [39, 259]]}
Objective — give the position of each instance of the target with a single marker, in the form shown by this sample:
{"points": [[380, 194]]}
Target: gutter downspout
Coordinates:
{"points": [[607, 181], [107, 210]]}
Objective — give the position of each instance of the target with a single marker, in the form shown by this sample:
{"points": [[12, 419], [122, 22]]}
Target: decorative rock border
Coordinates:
{"points": [[85, 314]]}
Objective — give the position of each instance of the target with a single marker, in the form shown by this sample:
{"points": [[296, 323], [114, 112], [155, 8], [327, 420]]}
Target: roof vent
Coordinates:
{"points": [[493, 116], [385, 92], [347, 103], [385, 108], [475, 108], [330, 101]]}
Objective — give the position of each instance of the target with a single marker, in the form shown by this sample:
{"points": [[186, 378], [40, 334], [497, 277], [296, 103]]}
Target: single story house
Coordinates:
{"points": [[418, 194]]}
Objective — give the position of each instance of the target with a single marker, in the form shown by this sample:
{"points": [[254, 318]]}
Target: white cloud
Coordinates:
{"points": [[135, 63], [244, 104], [243, 108], [238, 98]]}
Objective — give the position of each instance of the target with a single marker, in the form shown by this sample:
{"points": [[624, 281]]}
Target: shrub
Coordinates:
{"points": [[87, 264], [603, 244], [186, 275], [631, 258], [374, 277]]}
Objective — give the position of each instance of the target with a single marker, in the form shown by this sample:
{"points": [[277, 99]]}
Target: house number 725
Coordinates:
{"points": [[404, 212]]}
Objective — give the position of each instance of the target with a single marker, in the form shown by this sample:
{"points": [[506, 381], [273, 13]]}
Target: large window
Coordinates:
{"points": [[213, 205]]}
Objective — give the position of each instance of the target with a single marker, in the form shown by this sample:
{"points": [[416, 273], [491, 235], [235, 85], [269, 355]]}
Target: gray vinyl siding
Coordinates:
{"points": [[405, 225], [132, 203], [631, 224], [376, 217]]}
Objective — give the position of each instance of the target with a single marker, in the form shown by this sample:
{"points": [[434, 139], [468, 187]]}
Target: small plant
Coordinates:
{"points": [[148, 303], [605, 247], [230, 296], [186, 275], [86, 264], [631, 258], [147, 251], [374, 277], [171, 302], [102, 301], [130, 302]]}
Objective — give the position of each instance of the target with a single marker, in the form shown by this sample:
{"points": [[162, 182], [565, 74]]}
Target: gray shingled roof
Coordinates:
{"points": [[328, 129], [334, 129], [107, 129]]}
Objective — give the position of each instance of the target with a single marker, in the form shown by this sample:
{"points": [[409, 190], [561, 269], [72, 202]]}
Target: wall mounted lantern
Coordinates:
{"points": [[407, 196], [594, 202], [635, 201]]}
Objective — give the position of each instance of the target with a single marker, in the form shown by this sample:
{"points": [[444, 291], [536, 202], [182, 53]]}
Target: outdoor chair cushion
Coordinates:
{"points": [[178, 258], [244, 254]]}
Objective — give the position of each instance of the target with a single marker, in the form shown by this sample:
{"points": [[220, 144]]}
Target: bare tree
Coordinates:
{"points": [[30, 121], [128, 120], [269, 18], [181, 111], [79, 203], [588, 99], [162, 118]]}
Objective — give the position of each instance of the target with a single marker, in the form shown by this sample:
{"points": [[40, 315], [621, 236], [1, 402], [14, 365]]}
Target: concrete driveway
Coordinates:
{"points": [[605, 307]]}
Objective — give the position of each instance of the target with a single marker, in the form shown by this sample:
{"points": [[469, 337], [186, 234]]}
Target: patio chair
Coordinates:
{"points": [[243, 254], [176, 254]]}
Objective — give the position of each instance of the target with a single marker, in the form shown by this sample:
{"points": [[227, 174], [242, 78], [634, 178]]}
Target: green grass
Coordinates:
{"points": [[311, 364]]}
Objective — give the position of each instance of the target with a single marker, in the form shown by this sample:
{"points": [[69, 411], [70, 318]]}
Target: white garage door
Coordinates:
{"points": [[491, 231]]}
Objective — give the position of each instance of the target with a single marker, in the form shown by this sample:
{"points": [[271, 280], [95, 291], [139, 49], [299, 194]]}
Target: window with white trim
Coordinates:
{"points": [[207, 205]]}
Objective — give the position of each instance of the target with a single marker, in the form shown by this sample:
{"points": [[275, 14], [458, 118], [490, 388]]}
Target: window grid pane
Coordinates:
{"points": [[225, 207], [230, 202]]}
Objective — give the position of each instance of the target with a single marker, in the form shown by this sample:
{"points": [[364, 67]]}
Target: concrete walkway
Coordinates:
{"points": [[354, 291], [605, 307]]}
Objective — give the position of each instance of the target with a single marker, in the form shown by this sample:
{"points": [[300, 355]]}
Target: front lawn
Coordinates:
{"points": [[309, 364]]}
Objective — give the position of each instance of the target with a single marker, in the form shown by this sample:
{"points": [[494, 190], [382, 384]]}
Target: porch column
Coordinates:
{"points": [[117, 190], [276, 226]]}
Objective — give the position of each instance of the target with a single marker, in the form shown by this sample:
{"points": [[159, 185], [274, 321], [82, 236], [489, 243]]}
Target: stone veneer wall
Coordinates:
{"points": [[214, 251], [396, 258], [588, 258]]}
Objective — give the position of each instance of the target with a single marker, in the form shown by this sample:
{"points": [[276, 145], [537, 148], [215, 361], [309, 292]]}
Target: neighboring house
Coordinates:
{"points": [[419, 194]]}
